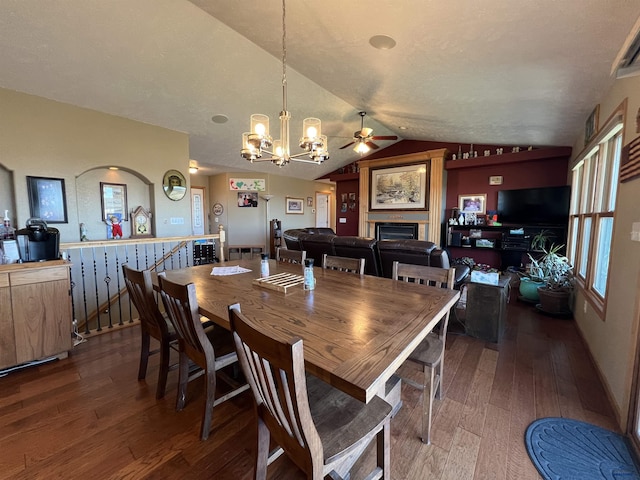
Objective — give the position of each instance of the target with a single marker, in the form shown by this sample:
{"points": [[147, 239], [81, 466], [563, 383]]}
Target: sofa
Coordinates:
{"points": [[379, 255]]}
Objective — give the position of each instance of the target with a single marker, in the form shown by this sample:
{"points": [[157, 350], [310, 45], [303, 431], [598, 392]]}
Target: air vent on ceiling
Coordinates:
{"points": [[627, 63]]}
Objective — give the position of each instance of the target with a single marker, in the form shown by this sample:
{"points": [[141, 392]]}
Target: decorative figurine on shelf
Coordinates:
{"points": [[487, 153], [83, 233], [116, 228], [499, 151]]}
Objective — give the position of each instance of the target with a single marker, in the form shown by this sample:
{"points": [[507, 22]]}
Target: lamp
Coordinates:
{"points": [[258, 140], [193, 166], [267, 241]]}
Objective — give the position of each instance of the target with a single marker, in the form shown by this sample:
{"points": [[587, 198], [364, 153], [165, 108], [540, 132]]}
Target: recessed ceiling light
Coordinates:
{"points": [[220, 118], [382, 42], [114, 168], [402, 127]]}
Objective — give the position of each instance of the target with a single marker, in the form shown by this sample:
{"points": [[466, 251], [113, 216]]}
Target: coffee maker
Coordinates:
{"points": [[37, 242]]}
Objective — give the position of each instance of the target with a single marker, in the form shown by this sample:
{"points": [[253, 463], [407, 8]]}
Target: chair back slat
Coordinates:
{"points": [[275, 371], [425, 275], [290, 256], [181, 305], [140, 290], [343, 264]]}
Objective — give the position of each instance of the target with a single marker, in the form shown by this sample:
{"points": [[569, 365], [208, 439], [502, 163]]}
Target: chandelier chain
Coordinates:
{"points": [[284, 57]]}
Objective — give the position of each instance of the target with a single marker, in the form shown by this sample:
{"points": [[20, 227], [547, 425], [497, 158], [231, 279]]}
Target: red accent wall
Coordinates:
{"points": [[537, 173], [343, 190]]}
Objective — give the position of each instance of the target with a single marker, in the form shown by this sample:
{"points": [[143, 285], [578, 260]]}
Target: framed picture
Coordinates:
{"points": [[591, 127], [294, 205], [247, 199], [309, 201], [113, 199], [399, 188], [47, 199], [473, 203]]}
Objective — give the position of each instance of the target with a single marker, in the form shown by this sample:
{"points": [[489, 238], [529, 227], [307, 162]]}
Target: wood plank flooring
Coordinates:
{"points": [[88, 417]]}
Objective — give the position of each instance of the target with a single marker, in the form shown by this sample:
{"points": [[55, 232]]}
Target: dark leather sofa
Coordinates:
{"points": [[379, 255]]}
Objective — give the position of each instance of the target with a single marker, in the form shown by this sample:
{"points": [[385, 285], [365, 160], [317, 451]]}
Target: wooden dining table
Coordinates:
{"points": [[356, 330]]}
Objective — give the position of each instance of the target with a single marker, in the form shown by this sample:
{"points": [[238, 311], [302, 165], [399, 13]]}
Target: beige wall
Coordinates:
{"points": [[248, 226], [40, 137], [613, 341]]}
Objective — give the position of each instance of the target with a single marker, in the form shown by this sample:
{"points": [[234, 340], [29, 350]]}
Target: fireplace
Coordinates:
{"points": [[396, 231]]}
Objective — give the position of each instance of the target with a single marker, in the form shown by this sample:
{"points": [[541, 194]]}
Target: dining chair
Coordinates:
{"points": [[320, 428], [343, 264], [430, 353], [290, 256], [211, 351], [153, 323]]}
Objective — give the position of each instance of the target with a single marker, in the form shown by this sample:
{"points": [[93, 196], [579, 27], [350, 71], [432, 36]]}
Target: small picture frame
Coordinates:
{"points": [[309, 201], [591, 126], [47, 199], [294, 205], [247, 199], [495, 180], [473, 203]]}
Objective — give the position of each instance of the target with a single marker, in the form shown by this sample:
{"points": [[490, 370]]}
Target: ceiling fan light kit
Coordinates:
{"points": [[362, 138], [258, 140]]}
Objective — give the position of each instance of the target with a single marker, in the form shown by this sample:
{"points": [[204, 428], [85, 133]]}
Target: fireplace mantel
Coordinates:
{"points": [[430, 221]]}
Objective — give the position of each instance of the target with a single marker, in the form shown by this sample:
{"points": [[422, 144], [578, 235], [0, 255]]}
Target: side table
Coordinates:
{"points": [[486, 311]]}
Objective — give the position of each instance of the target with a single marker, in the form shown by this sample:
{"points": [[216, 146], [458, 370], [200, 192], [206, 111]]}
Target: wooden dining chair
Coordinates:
{"points": [[343, 264], [153, 323], [211, 351], [290, 256], [430, 353], [321, 429]]}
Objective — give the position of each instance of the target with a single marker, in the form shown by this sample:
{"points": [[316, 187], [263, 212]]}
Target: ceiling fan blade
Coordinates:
{"points": [[372, 145], [347, 145], [384, 137]]}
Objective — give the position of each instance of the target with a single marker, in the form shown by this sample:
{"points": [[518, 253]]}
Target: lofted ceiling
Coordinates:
{"points": [[498, 71]]}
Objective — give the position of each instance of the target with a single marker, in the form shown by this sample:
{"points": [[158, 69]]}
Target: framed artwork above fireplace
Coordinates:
{"points": [[399, 188]]}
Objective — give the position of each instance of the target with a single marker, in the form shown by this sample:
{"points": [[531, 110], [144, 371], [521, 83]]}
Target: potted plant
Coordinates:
{"points": [[540, 239], [556, 274]]}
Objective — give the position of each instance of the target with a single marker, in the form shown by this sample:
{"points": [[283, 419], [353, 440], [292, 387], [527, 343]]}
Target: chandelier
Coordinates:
{"points": [[259, 141]]}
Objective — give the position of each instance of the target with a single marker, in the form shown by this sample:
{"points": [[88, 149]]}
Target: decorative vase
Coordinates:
{"points": [[529, 289]]}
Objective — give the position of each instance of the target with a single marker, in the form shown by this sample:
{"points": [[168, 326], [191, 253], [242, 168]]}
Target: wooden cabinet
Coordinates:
{"points": [[35, 312]]}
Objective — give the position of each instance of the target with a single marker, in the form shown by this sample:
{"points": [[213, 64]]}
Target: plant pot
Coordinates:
{"points": [[555, 302], [529, 289]]}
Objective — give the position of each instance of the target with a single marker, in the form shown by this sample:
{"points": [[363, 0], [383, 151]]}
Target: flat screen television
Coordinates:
{"points": [[534, 206]]}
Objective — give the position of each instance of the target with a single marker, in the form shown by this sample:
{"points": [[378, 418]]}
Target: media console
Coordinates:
{"points": [[499, 246]]}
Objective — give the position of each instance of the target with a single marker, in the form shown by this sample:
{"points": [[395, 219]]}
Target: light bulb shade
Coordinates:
{"points": [[312, 127], [321, 152], [278, 151], [311, 133], [193, 169], [193, 166], [260, 124], [361, 148], [249, 150]]}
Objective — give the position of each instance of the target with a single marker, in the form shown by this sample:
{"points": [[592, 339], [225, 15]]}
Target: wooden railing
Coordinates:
{"points": [[98, 292]]}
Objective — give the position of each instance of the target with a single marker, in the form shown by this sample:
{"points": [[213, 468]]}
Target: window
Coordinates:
{"points": [[594, 189]]}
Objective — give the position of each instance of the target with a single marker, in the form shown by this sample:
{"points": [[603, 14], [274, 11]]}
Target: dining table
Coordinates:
{"points": [[356, 329]]}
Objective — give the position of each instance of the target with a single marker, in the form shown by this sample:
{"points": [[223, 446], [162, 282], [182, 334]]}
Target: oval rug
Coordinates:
{"points": [[566, 449]]}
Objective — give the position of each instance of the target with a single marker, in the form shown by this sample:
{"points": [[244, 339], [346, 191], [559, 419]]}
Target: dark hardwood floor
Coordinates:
{"points": [[87, 417]]}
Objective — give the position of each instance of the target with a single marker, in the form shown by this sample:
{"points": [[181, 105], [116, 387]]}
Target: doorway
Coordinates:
{"points": [[197, 211], [322, 209]]}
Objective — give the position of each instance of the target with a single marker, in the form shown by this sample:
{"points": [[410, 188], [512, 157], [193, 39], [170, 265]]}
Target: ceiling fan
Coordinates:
{"points": [[362, 138]]}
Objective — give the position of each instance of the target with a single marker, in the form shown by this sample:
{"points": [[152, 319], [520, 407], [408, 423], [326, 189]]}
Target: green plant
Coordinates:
{"points": [[539, 240], [552, 268]]}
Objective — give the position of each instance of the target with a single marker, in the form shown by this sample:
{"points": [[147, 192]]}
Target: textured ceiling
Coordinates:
{"points": [[497, 71]]}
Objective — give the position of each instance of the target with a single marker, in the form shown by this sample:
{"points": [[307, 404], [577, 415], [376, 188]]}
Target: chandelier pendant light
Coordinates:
{"points": [[258, 141]]}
